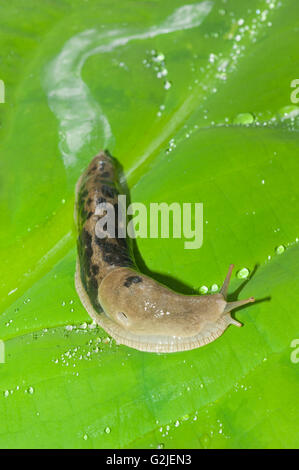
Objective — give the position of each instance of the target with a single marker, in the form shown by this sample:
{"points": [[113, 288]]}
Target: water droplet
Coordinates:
{"points": [[31, 390], [212, 58], [280, 249], [243, 273], [160, 57], [6, 393], [85, 437], [244, 118], [167, 85], [107, 430], [214, 288], [203, 289], [160, 446], [289, 112]]}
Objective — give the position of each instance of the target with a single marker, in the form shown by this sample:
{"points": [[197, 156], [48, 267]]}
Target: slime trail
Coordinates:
{"points": [[81, 119]]}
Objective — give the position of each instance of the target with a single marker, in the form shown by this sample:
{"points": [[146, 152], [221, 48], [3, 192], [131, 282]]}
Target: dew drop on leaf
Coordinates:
{"points": [[243, 273], [244, 118], [203, 289], [280, 249]]}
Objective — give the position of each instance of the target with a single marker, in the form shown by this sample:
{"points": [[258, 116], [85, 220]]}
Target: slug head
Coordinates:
{"points": [[143, 306]]}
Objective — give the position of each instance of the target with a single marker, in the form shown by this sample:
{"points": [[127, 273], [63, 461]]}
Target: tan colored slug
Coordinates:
{"points": [[133, 308]]}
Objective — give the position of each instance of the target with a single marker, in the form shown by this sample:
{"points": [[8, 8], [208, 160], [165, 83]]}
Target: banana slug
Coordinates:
{"points": [[133, 308]]}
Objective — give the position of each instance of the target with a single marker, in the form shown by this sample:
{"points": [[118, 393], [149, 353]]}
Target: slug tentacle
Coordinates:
{"points": [[224, 288], [132, 307], [238, 303], [232, 305]]}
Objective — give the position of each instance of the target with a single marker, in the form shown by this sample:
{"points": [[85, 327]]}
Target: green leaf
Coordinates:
{"points": [[195, 103]]}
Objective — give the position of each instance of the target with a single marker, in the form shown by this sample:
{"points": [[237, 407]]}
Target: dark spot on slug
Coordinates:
{"points": [[83, 193], [114, 254], [83, 214], [92, 289], [101, 179], [95, 269], [86, 238], [108, 191], [85, 251], [132, 280], [92, 169], [121, 241], [101, 200]]}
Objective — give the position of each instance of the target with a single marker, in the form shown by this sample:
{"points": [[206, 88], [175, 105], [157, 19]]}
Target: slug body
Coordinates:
{"points": [[133, 308]]}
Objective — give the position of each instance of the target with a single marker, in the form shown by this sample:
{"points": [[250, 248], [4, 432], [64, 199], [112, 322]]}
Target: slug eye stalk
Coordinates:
{"points": [[232, 305]]}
